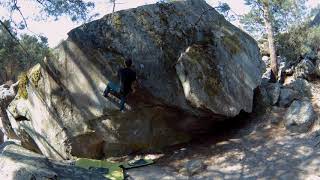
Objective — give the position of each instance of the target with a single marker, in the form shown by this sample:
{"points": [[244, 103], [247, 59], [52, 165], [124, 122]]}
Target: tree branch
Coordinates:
{"points": [[14, 37], [18, 8]]}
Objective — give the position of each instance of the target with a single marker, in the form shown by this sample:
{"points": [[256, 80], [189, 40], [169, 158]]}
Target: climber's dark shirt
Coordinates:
{"points": [[127, 77]]}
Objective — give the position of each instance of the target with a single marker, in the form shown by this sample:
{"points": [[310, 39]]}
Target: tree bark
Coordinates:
{"points": [[269, 28]]}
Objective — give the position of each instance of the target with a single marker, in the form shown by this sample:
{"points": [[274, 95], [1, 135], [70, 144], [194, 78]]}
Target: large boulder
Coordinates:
{"points": [[300, 116], [194, 69]]}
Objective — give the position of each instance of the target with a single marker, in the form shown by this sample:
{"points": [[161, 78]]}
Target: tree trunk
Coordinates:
{"points": [[269, 28]]}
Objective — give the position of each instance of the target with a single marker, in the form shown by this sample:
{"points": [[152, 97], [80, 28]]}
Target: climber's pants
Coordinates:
{"points": [[115, 88]]}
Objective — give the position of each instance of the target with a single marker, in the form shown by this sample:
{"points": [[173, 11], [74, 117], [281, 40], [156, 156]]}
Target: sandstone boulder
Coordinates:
{"points": [[194, 69]]}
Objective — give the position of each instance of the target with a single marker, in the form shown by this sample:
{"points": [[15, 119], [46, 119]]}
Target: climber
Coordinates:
{"points": [[127, 77]]}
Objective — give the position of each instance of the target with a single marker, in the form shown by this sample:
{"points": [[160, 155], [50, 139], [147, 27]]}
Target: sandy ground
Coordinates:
{"points": [[259, 148]]}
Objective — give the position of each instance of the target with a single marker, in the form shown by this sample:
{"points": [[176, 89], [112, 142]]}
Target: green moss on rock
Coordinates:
{"points": [[209, 75], [117, 21], [22, 86], [35, 75], [232, 43]]}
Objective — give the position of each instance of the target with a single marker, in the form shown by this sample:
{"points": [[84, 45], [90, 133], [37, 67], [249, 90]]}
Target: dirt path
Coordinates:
{"points": [[261, 149], [265, 152]]}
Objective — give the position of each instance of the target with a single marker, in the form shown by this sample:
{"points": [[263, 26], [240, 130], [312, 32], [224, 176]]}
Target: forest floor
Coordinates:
{"points": [[256, 147]]}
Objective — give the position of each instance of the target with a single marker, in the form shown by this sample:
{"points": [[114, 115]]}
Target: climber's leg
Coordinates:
{"points": [[111, 87]]}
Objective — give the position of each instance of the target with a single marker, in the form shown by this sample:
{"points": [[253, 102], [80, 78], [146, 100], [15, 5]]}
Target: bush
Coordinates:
{"points": [[299, 42]]}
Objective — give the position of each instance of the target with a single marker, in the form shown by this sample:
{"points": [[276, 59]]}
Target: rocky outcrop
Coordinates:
{"points": [[194, 68]]}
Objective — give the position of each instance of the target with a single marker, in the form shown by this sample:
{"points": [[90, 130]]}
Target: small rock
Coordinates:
{"points": [[286, 97], [194, 166], [300, 116]]}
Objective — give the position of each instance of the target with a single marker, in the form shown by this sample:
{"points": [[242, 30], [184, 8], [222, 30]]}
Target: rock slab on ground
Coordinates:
{"points": [[17, 163]]}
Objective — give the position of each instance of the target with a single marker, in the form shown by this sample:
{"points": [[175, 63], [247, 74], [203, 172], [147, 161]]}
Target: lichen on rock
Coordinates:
{"points": [[35, 75], [22, 87]]}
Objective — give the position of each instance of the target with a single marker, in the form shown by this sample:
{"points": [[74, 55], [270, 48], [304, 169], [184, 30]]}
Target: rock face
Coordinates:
{"points": [[300, 116], [207, 78], [194, 69]]}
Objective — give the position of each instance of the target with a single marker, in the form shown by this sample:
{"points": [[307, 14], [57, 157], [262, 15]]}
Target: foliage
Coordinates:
{"points": [[14, 59], [300, 41], [77, 10], [284, 14]]}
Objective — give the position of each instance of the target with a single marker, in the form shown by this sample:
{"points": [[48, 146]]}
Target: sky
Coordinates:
{"points": [[56, 31]]}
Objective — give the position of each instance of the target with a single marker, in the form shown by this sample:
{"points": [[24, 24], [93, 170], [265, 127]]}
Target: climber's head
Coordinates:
{"points": [[128, 63]]}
